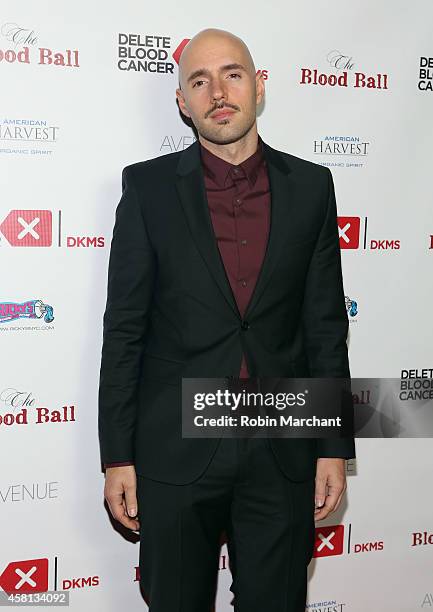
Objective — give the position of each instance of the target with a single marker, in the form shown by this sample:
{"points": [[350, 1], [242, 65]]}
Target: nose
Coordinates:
{"points": [[217, 90]]}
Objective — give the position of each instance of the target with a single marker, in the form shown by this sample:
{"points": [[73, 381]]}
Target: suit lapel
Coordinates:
{"points": [[192, 193], [281, 208]]}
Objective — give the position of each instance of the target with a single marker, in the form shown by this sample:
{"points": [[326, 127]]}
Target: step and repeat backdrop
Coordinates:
{"points": [[87, 88]]}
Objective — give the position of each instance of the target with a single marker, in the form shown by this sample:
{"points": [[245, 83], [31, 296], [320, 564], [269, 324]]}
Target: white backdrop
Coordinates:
{"points": [[66, 132]]}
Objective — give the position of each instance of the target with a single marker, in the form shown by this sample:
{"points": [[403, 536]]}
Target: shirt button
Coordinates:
{"points": [[243, 242], [244, 283], [235, 170], [238, 201], [245, 325]]}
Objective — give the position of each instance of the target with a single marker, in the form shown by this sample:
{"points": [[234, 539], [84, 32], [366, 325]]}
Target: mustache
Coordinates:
{"points": [[220, 106]]}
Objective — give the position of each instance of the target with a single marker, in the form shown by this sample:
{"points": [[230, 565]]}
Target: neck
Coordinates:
{"points": [[234, 152]]}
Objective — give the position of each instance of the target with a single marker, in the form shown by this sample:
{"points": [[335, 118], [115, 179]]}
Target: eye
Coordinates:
{"points": [[197, 83], [235, 74]]}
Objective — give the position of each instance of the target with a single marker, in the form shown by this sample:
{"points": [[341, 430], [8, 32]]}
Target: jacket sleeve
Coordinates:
{"points": [[325, 321], [120, 464], [131, 273]]}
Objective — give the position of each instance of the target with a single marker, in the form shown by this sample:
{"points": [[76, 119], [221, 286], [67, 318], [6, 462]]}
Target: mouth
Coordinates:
{"points": [[222, 114]]}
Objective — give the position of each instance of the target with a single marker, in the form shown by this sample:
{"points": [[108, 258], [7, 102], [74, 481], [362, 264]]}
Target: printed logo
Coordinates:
{"points": [[349, 231], [329, 605], [28, 576], [425, 74], [422, 538], [329, 541], [368, 546], [38, 492], [17, 35], [28, 136], [178, 51], [26, 38], [34, 228], [351, 306], [26, 228], [342, 150], [144, 53], [343, 65], [33, 309], [20, 408], [171, 144], [427, 602], [416, 384]]}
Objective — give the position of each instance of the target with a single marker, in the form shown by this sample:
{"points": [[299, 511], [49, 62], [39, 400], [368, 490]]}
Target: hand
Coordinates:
{"points": [[120, 491], [331, 474]]}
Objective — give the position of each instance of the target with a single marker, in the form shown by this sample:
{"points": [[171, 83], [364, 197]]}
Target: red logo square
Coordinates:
{"points": [[329, 541], [348, 232]]}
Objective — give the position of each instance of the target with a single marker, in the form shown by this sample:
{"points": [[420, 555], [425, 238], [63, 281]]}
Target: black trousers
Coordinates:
{"points": [[268, 519]]}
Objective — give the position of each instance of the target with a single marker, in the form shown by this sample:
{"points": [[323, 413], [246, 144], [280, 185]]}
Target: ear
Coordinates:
{"points": [[181, 101], [260, 87]]}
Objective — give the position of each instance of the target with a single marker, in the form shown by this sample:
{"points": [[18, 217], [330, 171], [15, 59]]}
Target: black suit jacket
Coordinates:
{"points": [[170, 311]]}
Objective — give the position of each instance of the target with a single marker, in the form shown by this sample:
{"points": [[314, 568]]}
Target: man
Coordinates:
{"points": [[224, 262]]}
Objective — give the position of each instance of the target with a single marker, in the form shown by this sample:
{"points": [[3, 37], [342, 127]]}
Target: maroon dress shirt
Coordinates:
{"points": [[239, 205], [239, 201]]}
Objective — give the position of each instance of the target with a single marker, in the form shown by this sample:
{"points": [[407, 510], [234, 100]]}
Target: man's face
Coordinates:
{"points": [[220, 90]]}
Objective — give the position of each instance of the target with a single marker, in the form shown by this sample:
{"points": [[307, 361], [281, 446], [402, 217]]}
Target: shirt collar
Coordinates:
{"points": [[218, 169]]}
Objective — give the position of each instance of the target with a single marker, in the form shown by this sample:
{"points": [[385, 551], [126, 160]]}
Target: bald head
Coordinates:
{"points": [[209, 44], [219, 89]]}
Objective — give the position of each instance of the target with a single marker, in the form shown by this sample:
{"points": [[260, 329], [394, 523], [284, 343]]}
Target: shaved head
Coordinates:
{"points": [[219, 89], [205, 41]]}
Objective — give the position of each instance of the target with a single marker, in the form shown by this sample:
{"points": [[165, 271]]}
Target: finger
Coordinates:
{"points": [[321, 513], [328, 506], [320, 492], [333, 496], [336, 489], [127, 516], [131, 501], [127, 521], [118, 511]]}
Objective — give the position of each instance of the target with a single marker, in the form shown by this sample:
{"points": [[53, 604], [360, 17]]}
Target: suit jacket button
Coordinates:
{"points": [[245, 325]]}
